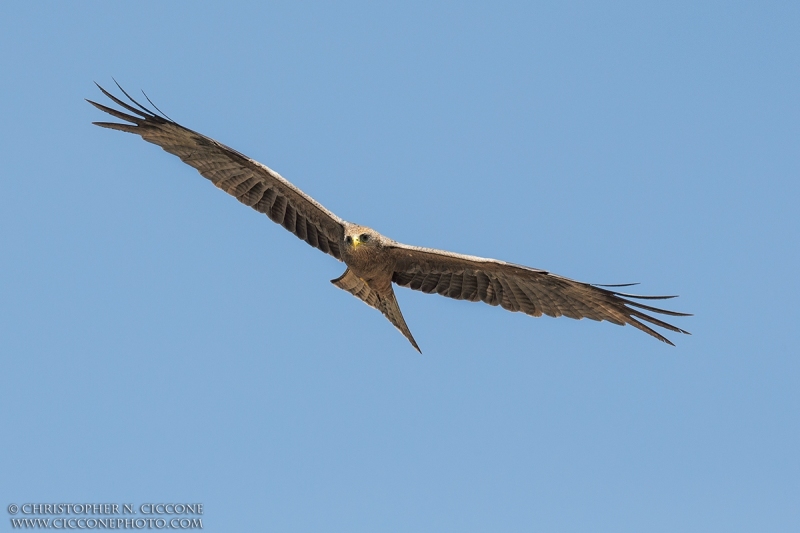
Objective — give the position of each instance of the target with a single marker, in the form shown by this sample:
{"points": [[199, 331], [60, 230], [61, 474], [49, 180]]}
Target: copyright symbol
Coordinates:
{"points": [[12, 509]]}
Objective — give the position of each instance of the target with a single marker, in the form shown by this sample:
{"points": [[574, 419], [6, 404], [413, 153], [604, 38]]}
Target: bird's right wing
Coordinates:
{"points": [[249, 181]]}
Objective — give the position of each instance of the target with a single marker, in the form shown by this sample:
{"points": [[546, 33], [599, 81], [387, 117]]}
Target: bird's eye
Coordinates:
{"points": [[364, 237], [348, 239]]}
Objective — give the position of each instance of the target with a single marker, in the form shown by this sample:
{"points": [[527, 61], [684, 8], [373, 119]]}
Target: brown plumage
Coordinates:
{"points": [[374, 261]]}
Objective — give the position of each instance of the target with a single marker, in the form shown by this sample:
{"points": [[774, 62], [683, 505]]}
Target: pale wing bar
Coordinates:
{"points": [[250, 182], [519, 288]]}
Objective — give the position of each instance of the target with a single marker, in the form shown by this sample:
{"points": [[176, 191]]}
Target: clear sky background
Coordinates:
{"points": [[163, 343]]}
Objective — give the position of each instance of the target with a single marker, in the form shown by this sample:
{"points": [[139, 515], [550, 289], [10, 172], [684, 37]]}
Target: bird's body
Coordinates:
{"points": [[375, 262], [367, 254]]}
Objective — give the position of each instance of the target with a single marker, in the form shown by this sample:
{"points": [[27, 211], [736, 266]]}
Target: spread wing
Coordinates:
{"points": [[519, 288], [249, 181]]}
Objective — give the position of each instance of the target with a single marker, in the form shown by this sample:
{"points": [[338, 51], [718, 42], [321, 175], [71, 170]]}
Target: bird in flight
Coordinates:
{"points": [[374, 262]]}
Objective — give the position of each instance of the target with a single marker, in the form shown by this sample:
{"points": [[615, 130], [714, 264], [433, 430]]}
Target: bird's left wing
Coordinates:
{"points": [[519, 288], [249, 181]]}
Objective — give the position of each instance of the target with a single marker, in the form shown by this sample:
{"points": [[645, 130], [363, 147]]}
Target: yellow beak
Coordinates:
{"points": [[356, 242]]}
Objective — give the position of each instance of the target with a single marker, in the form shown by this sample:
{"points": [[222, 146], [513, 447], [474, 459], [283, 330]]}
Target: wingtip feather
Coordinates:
{"points": [[127, 128]]}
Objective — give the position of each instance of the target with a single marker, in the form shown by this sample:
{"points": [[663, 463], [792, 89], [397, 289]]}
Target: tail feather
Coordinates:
{"points": [[385, 303]]}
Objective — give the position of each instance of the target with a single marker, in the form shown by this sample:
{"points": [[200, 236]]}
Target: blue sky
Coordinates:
{"points": [[162, 343]]}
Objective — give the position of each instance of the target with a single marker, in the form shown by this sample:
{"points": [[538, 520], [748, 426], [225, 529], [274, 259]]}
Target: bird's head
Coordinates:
{"points": [[361, 238]]}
